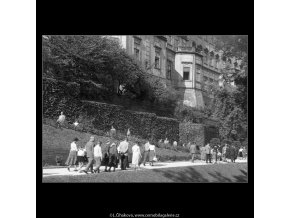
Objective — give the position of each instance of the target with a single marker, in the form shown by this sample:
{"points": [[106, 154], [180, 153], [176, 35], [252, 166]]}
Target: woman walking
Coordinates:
{"points": [[113, 156], [136, 156], [81, 157], [72, 157], [98, 157], [152, 154]]}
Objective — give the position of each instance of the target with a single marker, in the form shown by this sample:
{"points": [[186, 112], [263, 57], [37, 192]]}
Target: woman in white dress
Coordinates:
{"points": [[136, 156]]}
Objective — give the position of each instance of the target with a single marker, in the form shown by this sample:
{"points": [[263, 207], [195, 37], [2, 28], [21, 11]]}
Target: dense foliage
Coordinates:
{"points": [[98, 118], [101, 60], [229, 105]]}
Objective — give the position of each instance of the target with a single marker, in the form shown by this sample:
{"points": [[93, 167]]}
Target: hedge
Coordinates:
{"points": [[191, 132], [95, 116]]}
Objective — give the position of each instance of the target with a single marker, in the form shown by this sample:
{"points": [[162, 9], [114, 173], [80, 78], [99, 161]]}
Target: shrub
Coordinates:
{"points": [[183, 149], [100, 116], [214, 141], [58, 159], [191, 132]]}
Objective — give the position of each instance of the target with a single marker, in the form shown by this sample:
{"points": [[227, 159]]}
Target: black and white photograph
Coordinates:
{"points": [[145, 108]]}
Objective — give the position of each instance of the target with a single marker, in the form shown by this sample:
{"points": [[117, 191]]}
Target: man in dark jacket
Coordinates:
{"points": [[105, 152], [233, 154], [192, 151], [90, 155]]}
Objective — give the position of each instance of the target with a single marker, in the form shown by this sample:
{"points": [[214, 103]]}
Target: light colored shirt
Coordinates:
{"points": [[166, 141], [207, 149], [152, 147], [61, 118], [98, 151], [73, 146], [136, 149], [123, 148], [81, 152], [174, 143]]}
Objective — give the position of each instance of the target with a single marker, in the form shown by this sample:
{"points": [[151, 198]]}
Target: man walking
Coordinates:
{"points": [[224, 152], [233, 154], [113, 153], [193, 151], [146, 152], [90, 155], [123, 147], [60, 120], [105, 152], [208, 153]]}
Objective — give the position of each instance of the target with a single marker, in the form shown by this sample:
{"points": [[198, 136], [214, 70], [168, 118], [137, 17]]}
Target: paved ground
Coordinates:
{"points": [[158, 165]]}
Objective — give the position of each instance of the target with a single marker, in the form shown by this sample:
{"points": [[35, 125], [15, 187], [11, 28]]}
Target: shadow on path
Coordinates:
{"points": [[199, 174]]}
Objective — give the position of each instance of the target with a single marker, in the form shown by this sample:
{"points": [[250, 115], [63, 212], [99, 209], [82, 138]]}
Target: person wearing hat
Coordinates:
{"points": [[90, 155], [123, 148], [113, 153], [72, 157]]}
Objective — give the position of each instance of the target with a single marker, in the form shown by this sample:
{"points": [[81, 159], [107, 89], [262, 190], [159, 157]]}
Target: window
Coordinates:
{"points": [[186, 71], [137, 53], [157, 58], [205, 78], [137, 43], [169, 40], [146, 64], [205, 59], [169, 69], [198, 69]]}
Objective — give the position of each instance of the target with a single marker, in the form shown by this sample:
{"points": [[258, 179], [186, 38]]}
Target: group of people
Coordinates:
{"points": [[217, 152], [110, 155]]}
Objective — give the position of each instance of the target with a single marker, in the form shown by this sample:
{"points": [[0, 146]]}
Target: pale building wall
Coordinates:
{"points": [[184, 60]]}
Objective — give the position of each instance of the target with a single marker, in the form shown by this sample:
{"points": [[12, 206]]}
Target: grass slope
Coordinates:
{"points": [[207, 173], [57, 142]]}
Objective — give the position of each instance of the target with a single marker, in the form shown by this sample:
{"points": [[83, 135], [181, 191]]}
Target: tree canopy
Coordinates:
{"points": [[229, 106], [103, 61]]}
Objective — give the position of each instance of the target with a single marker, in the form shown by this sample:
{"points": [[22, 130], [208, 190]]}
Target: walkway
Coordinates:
{"points": [[158, 165]]}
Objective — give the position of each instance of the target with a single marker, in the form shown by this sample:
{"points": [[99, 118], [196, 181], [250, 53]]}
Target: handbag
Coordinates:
{"points": [[154, 158]]}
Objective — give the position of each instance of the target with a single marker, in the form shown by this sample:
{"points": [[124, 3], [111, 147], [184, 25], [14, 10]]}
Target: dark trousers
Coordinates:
{"points": [[127, 161], [123, 161], [208, 158], [146, 153], [90, 164]]}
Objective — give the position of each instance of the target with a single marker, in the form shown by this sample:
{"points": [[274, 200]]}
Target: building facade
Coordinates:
{"points": [[189, 63]]}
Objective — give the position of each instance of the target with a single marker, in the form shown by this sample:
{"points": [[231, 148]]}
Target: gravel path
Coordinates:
{"points": [[158, 165]]}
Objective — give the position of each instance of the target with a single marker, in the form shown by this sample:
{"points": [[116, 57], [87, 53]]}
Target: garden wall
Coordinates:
{"points": [[95, 116], [195, 132]]}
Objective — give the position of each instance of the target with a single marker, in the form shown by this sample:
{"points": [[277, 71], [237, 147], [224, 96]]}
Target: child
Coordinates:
{"points": [[81, 157], [72, 158]]}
